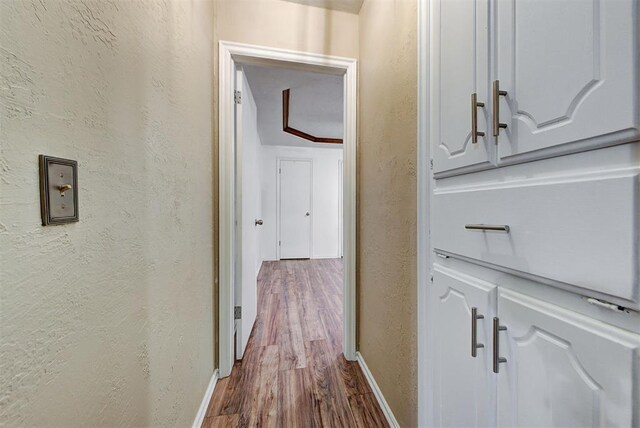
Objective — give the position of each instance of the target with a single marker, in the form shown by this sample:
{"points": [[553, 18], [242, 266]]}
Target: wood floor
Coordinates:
{"points": [[293, 373]]}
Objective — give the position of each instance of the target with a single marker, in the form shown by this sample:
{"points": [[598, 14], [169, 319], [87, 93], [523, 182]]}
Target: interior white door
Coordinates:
{"points": [[247, 210], [571, 72], [340, 208], [564, 369], [460, 68], [295, 208], [464, 388]]}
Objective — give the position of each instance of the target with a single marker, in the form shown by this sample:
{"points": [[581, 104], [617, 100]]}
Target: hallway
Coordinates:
{"points": [[293, 372]]}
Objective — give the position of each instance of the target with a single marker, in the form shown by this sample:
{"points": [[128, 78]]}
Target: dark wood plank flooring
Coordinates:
{"points": [[293, 373]]}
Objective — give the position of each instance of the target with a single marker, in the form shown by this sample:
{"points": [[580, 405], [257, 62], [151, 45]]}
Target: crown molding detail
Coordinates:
{"points": [[289, 130]]}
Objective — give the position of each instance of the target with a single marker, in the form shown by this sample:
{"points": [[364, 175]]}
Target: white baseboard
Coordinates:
{"points": [[202, 411], [388, 414]]}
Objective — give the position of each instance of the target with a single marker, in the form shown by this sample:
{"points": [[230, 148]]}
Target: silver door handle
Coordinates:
{"points": [[474, 332], [474, 118], [497, 93], [497, 359], [496, 227], [259, 222], [307, 214]]}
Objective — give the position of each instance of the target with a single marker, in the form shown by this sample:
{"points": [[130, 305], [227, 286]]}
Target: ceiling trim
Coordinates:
{"points": [[289, 130]]}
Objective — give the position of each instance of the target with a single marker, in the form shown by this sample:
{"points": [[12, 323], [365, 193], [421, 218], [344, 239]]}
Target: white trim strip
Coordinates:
{"points": [[230, 55], [202, 411], [388, 414]]}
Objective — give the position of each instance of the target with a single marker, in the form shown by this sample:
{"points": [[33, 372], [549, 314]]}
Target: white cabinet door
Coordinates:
{"points": [[571, 72], [460, 68], [564, 369], [464, 387]]}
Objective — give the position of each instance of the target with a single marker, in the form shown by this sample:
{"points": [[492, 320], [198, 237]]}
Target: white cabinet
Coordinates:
{"points": [[570, 231], [460, 56], [539, 365], [571, 72], [563, 369], [566, 76], [464, 387], [534, 188]]}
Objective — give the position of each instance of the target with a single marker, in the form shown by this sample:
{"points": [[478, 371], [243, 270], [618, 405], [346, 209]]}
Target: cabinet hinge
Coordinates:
{"points": [[237, 312], [237, 97], [607, 305]]}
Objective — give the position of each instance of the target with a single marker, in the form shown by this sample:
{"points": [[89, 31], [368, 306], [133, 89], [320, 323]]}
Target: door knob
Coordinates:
{"points": [[259, 222], [307, 214]]}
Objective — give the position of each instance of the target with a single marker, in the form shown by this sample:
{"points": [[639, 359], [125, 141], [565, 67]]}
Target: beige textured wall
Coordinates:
{"points": [[281, 24], [106, 322], [387, 200]]}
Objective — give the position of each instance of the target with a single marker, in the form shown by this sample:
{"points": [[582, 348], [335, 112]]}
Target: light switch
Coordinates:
{"points": [[58, 190]]}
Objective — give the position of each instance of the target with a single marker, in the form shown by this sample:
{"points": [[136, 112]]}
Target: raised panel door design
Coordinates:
{"points": [[464, 386], [460, 64], [564, 369], [570, 69]]}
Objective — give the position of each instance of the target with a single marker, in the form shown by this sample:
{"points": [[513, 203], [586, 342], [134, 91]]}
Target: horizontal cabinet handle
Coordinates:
{"points": [[495, 227]]}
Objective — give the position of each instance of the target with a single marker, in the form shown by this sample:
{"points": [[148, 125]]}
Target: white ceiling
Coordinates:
{"points": [[351, 6], [315, 104]]}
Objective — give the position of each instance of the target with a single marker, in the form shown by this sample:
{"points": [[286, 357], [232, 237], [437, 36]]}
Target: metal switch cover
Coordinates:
{"points": [[58, 190]]}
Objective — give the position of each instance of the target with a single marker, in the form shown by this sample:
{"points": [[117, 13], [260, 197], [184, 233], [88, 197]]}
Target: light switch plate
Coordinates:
{"points": [[58, 190]]}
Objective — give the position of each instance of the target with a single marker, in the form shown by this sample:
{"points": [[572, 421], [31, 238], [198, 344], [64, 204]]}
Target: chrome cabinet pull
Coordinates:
{"points": [[495, 227], [259, 222], [474, 332], [495, 111], [497, 359], [474, 118]]}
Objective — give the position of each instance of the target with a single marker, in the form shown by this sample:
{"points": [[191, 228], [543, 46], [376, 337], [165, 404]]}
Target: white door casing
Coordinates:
{"points": [[230, 55], [295, 208]]}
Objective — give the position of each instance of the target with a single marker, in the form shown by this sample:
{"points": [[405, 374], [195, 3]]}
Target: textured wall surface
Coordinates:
{"points": [[387, 200], [280, 24], [106, 322]]}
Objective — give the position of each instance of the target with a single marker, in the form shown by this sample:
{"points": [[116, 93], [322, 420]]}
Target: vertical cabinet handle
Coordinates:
{"points": [[496, 108], [497, 359], [474, 332], [474, 118]]}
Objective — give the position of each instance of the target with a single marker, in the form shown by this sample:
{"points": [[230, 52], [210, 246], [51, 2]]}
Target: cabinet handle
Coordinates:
{"points": [[497, 359], [495, 227], [474, 332], [496, 109], [474, 118]]}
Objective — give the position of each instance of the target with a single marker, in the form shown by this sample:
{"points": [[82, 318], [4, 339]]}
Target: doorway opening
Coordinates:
{"points": [[295, 243]]}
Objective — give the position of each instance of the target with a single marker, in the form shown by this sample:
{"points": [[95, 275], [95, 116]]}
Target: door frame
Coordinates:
{"points": [[231, 54], [278, 200], [424, 185]]}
